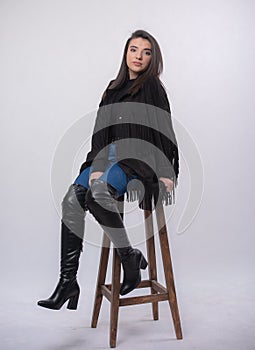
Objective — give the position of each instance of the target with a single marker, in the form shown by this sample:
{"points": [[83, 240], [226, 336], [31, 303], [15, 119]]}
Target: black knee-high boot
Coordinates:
{"points": [[100, 202], [72, 232]]}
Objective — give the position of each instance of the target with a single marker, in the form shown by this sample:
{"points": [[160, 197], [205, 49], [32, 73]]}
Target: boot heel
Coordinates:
{"points": [[73, 302], [143, 263]]}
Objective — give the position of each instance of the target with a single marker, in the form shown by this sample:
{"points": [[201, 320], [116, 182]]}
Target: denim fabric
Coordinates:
{"points": [[114, 174]]}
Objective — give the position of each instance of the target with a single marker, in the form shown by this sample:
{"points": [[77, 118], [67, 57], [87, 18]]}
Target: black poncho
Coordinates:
{"points": [[146, 145]]}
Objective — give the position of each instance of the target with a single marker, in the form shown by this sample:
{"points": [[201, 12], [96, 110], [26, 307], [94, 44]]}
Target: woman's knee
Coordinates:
{"points": [[100, 193], [73, 213], [74, 199], [95, 193]]}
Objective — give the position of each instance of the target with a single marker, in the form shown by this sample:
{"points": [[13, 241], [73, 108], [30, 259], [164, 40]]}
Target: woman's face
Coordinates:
{"points": [[138, 56]]}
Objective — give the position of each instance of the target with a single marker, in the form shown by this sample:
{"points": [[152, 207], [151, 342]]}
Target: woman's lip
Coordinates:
{"points": [[137, 63]]}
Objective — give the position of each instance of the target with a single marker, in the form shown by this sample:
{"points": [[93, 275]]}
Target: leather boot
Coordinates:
{"points": [[72, 232], [100, 202], [132, 263]]}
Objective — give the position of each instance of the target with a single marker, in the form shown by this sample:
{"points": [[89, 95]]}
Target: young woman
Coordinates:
{"points": [[133, 138]]}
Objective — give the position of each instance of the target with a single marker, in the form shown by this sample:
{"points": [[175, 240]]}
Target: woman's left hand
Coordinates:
{"points": [[168, 183]]}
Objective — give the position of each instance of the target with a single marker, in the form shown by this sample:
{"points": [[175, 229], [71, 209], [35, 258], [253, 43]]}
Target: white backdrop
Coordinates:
{"points": [[56, 59]]}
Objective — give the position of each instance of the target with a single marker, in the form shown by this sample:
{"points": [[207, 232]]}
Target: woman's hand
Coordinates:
{"points": [[94, 176], [168, 183]]}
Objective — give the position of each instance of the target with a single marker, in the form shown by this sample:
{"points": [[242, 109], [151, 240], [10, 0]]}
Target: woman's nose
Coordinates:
{"points": [[138, 55]]}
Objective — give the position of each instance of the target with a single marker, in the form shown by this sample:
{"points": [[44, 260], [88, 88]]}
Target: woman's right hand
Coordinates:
{"points": [[94, 176]]}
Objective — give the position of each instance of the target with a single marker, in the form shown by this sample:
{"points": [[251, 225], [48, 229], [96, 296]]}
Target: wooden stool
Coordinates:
{"points": [[158, 291]]}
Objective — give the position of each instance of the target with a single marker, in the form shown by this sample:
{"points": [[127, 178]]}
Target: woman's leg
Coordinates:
{"points": [[106, 189], [101, 202], [72, 232]]}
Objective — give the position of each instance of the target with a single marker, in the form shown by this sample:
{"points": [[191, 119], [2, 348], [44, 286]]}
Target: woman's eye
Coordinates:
{"points": [[148, 53]]}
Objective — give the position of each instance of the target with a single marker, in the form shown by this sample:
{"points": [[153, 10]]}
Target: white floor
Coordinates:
{"points": [[215, 315]]}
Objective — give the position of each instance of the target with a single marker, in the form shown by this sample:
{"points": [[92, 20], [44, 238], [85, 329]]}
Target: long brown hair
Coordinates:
{"points": [[154, 68]]}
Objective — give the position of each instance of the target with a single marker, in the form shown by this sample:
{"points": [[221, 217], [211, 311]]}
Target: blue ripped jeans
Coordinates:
{"points": [[113, 175]]}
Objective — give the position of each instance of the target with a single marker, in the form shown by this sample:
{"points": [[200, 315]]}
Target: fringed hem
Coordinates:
{"points": [[149, 196]]}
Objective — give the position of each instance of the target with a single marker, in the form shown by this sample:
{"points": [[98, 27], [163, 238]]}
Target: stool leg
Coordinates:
{"points": [[165, 250], [115, 288], [150, 243], [101, 279]]}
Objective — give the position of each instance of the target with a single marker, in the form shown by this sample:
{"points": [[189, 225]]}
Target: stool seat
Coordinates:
{"points": [[158, 291]]}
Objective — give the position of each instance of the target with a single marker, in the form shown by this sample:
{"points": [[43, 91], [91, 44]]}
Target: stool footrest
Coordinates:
{"points": [[106, 292], [143, 299], [161, 295]]}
